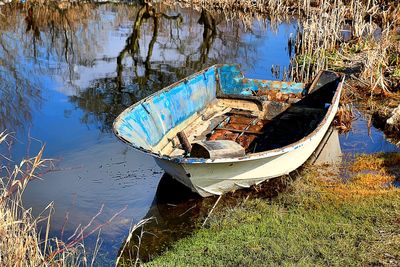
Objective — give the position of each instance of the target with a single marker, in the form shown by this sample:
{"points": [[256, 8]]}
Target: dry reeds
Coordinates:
{"points": [[20, 243], [321, 44], [372, 47], [316, 40]]}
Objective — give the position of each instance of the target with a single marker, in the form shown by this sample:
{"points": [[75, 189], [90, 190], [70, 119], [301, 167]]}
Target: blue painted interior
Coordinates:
{"points": [[145, 123], [233, 82]]}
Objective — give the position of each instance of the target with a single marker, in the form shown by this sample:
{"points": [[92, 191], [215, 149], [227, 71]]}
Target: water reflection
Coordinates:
{"points": [[80, 66], [363, 138], [33, 44], [19, 84], [149, 60], [67, 70]]}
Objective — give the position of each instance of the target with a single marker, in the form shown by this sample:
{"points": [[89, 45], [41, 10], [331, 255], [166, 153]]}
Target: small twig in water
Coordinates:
{"points": [[128, 239], [216, 202], [188, 210], [82, 236]]}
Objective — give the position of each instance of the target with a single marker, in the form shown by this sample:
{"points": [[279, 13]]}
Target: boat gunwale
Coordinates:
{"points": [[247, 157]]}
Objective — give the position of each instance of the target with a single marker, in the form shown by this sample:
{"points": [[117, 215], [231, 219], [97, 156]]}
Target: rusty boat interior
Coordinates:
{"points": [[236, 116]]}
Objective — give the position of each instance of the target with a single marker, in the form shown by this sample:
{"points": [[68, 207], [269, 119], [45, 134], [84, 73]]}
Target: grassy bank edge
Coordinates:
{"points": [[318, 221]]}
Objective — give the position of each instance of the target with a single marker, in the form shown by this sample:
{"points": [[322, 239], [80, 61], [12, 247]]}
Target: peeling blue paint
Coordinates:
{"points": [[145, 123], [232, 81]]}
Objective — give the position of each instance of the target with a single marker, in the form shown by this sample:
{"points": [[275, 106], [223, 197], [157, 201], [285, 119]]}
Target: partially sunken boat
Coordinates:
{"points": [[216, 131]]}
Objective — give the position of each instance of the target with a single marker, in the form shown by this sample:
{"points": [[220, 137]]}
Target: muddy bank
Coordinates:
{"points": [[386, 117]]}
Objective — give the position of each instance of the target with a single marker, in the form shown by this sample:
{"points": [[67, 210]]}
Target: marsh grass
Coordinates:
{"points": [[20, 242], [320, 220], [371, 48]]}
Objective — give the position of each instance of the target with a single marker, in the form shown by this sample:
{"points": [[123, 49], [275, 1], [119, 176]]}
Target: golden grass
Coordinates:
{"points": [[376, 162], [360, 187], [20, 242], [370, 175]]}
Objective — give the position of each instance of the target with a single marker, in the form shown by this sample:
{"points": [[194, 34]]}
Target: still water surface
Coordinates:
{"points": [[66, 74]]}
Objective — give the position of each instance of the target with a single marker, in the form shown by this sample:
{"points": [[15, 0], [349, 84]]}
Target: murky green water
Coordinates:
{"points": [[65, 74]]}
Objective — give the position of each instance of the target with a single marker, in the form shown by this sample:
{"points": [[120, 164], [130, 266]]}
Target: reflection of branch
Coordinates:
{"points": [[209, 34], [18, 89], [210, 30], [31, 25], [132, 43], [176, 17], [151, 44]]}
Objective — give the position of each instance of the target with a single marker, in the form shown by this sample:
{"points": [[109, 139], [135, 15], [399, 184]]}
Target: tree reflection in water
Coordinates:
{"points": [[32, 39], [58, 41], [18, 92], [154, 64]]}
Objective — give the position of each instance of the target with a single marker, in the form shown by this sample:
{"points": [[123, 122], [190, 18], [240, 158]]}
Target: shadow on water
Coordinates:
{"points": [[177, 212], [391, 167]]}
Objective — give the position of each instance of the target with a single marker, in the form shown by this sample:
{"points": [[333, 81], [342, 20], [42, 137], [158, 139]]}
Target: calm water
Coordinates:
{"points": [[64, 77]]}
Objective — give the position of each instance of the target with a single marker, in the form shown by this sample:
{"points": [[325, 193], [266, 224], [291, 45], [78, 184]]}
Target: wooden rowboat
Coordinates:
{"points": [[216, 131]]}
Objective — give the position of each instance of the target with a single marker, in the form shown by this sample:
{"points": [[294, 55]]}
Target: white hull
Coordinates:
{"points": [[192, 106], [212, 178]]}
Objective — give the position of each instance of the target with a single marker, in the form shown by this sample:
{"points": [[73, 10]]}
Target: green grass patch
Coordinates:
{"points": [[315, 223], [396, 72]]}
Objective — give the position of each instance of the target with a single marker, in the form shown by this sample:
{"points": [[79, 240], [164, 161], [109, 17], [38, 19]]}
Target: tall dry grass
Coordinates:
{"points": [[20, 241], [371, 48]]}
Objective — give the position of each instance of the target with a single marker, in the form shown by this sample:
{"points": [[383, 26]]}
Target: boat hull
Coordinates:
{"points": [[298, 118], [211, 178]]}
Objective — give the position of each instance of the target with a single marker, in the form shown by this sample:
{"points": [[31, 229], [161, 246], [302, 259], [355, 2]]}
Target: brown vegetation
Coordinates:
{"points": [[370, 175], [20, 242], [353, 36]]}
